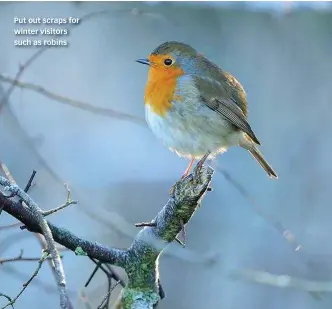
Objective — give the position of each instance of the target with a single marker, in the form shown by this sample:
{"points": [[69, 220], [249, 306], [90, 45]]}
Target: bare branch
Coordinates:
{"points": [[25, 285], [140, 260], [37, 213], [75, 103], [8, 298], [283, 281], [21, 258], [142, 290], [6, 172], [85, 300], [275, 223], [35, 56], [40, 238], [68, 202], [63, 236], [107, 296], [5, 227], [28, 186]]}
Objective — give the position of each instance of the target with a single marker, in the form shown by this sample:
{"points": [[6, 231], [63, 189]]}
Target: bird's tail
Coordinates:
{"points": [[255, 152], [263, 163]]}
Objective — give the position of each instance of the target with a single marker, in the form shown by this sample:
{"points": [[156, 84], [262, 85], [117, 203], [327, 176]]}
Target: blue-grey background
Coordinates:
{"points": [[121, 173]]}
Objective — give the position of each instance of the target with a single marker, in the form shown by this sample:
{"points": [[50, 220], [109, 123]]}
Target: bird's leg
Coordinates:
{"points": [[186, 172]]}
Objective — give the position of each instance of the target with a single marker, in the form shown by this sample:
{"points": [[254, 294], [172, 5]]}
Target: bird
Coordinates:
{"points": [[195, 108]]}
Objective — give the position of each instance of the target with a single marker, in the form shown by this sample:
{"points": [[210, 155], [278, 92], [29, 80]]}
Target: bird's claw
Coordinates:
{"points": [[200, 165]]}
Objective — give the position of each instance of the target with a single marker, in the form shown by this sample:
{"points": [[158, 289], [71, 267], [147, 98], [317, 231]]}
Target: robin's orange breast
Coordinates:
{"points": [[160, 89]]}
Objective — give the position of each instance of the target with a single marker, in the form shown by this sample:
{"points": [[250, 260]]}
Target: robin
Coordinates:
{"points": [[196, 109]]}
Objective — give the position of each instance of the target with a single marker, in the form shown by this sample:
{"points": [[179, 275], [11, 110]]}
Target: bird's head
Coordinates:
{"points": [[171, 59]]}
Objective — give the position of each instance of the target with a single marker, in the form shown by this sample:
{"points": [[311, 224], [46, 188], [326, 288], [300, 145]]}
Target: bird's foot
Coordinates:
{"points": [[200, 164]]}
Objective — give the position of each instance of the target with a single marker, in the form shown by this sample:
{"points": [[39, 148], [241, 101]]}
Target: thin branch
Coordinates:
{"points": [[107, 297], [40, 238], [98, 265], [275, 223], [68, 202], [25, 285], [37, 213], [15, 81], [52, 211], [108, 271], [8, 298], [6, 172], [64, 237], [283, 281], [108, 112], [31, 60], [143, 224], [115, 275], [5, 227], [21, 258], [28, 185], [85, 300]]}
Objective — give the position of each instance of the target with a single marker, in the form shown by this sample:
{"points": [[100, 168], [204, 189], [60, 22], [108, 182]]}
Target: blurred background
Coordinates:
{"points": [[121, 174]]}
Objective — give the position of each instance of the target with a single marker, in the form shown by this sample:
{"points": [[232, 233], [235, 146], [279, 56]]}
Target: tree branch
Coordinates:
{"points": [[108, 112], [63, 236], [37, 213], [283, 281], [140, 260], [142, 290], [25, 285]]}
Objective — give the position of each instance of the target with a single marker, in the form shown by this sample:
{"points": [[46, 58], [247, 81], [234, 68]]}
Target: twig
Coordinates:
{"points": [[8, 298], [64, 237], [7, 173], [98, 265], [276, 224], [2, 261], [15, 81], [286, 234], [52, 211], [68, 202], [143, 224], [5, 227], [23, 259], [37, 213], [85, 299], [25, 285], [115, 275], [18, 75], [28, 185], [283, 281], [109, 272], [108, 112], [107, 296], [9, 176], [40, 238]]}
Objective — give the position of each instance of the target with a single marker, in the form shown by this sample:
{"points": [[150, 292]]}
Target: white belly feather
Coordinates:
{"points": [[192, 132]]}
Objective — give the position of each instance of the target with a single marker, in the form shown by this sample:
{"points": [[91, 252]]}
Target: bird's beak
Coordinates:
{"points": [[144, 61]]}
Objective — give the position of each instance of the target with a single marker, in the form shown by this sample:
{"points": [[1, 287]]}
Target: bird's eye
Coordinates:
{"points": [[168, 61]]}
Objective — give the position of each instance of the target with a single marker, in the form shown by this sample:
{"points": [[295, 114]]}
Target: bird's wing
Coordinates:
{"points": [[223, 101]]}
